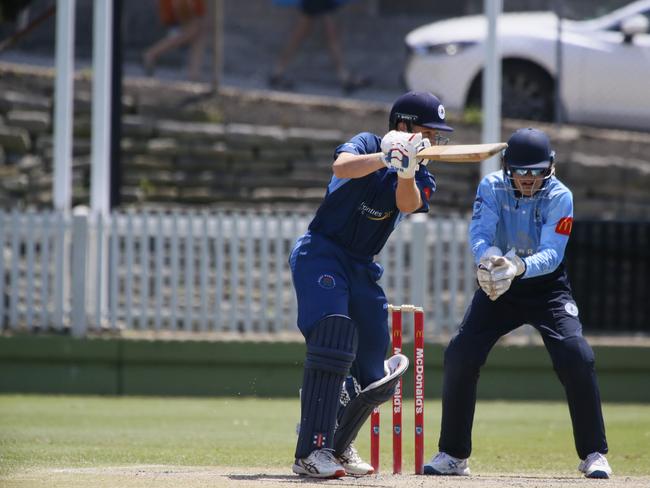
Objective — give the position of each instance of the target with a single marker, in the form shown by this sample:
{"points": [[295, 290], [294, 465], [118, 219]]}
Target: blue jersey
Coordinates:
{"points": [[537, 228], [359, 214]]}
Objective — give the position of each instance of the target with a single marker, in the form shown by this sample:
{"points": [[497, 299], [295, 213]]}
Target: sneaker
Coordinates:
{"points": [[320, 463], [353, 463], [595, 466], [353, 83], [444, 464], [280, 82]]}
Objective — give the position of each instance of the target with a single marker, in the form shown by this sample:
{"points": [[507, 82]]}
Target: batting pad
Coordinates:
{"points": [[360, 408], [331, 349]]}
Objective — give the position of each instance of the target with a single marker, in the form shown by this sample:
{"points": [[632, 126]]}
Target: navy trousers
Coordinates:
{"points": [[545, 303], [329, 281]]}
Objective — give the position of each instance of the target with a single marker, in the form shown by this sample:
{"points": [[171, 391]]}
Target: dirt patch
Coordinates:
{"points": [[235, 477]]}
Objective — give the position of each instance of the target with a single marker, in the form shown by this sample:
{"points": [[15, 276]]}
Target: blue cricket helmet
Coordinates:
{"points": [[419, 108], [529, 148]]}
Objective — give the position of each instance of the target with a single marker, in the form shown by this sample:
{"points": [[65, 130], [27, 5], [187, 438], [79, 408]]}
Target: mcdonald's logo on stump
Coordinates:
{"points": [[564, 226]]}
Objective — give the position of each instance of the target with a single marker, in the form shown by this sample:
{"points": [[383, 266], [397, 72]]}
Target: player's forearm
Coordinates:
{"points": [[542, 262], [357, 165], [482, 234], [407, 195], [479, 246]]}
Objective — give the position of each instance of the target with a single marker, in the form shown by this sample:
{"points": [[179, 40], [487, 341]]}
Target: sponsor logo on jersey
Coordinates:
{"points": [[326, 281], [571, 308], [373, 214], [564, 226]]}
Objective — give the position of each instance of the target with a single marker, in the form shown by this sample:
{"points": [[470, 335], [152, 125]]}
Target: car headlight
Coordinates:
{"points": [[447, 48]]}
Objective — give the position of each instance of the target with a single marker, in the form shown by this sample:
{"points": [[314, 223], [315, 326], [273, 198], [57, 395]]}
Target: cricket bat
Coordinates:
{"points": [[462, 153]]}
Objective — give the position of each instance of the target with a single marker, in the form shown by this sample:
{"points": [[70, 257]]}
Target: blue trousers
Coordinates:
{"points": [[545, 303], [328, 280]]}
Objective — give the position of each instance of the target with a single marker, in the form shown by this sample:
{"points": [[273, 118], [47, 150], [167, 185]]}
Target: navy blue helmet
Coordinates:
{"points": [[528, 153], [419, 108]]}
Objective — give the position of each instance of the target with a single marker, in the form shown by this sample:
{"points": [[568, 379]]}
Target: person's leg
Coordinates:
{"points": [[331, 339], [574, 362], [349, 82], [331, 349], [188, 33], [334, 47], [197, 49], [484, 323], [368, 309], [300, 32]]}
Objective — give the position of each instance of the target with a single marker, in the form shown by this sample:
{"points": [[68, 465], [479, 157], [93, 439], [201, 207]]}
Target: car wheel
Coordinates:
{"points": [[527, 92]]}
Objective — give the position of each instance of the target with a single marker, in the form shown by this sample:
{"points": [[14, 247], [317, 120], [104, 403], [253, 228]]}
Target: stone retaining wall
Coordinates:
{"points": [[183, 145]]}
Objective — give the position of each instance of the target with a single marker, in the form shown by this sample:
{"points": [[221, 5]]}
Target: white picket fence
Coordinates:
{"points": [[202, 272]]}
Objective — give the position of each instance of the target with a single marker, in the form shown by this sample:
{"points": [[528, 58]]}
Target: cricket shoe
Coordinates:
{"points": [[595, 466], [446, 465], [353, 463], [320, 463]]}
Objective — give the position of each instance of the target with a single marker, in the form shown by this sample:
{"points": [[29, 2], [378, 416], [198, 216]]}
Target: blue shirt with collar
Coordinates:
{"points": [[359, 214], [537, 228]]}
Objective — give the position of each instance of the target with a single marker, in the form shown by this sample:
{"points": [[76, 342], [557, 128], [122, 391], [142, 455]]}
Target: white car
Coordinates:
{"points": [[604, 65]]}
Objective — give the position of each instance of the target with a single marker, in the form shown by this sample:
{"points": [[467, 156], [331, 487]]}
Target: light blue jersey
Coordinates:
{"points": [[537, 228]]}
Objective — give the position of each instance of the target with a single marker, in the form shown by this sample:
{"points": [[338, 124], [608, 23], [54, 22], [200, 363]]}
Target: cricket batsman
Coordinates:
{"points": [[520, 227], [342, 310]]}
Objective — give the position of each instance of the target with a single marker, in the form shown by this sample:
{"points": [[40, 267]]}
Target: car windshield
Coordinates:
{"points": [[590, 11], [600, 10]]}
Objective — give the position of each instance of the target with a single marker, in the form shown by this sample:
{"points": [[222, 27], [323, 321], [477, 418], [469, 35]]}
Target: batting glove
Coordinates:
{"points": [[401, 156], [423, 145], [393, 137]]}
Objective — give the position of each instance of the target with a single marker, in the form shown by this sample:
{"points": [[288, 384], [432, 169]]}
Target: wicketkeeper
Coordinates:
{"points": [[520, 227], [342, 310]]}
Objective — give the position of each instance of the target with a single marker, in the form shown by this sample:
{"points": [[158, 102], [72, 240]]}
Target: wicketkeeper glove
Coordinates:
{"points": [[504, 270], [507, 267], [483, 272]]}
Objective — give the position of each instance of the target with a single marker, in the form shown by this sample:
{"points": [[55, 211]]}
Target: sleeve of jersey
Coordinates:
{"points": [[362, 143], [485, 219], [553, 239], [427, 185]]}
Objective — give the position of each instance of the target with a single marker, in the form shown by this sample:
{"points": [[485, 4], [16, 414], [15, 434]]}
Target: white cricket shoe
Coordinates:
{"points": [[595, 466], [353, 463], [444, 464], [320, 463]]}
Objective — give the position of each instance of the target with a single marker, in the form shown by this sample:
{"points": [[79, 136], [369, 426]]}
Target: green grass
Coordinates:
{"points": [[69, 431]]}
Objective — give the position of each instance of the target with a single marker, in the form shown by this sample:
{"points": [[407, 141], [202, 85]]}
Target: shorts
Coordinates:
{"points": [[175, 12], [314, 8]]}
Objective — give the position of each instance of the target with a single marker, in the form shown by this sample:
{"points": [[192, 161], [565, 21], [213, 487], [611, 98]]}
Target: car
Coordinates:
{"points": [[604, 65]]}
